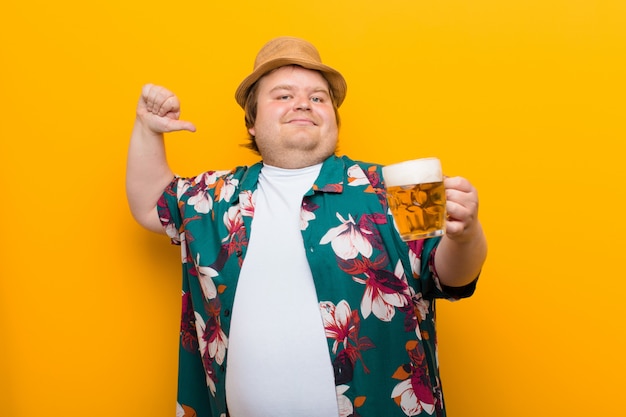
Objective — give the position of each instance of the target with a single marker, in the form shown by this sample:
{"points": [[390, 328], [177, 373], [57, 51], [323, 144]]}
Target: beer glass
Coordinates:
{"points": [[416, 197]]}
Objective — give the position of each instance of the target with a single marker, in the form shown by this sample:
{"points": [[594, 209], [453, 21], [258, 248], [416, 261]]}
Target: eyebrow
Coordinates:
{"points": [[290, 87]]}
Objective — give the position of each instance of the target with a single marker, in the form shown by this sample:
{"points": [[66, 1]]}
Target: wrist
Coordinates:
{"points": [[144, 129]]}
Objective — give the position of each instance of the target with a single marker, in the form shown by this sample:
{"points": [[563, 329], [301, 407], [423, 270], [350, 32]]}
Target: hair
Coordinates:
{"points": [[251, 106]]}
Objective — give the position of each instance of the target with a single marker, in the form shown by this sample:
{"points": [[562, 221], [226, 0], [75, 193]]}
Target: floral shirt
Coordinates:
{"points": [[376, 293]]}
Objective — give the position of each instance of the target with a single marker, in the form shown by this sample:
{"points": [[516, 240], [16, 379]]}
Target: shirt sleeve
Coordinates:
{"points": [[169, 211], [429, 272]]}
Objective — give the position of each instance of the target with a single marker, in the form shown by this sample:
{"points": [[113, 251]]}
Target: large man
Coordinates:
{"points": [[299, 297]]}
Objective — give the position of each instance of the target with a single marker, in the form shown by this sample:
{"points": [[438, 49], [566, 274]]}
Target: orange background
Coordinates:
{"points": [[523, 97]]}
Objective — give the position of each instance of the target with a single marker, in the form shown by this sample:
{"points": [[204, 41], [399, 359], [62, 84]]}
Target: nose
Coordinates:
{"points": [[302, 103]]}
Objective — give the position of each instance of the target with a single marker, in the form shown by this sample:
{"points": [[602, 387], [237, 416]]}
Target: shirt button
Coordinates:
{"points": [[226, 313], [239, 253]]}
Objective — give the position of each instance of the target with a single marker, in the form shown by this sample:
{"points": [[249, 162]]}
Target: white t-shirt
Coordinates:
{"points": [[278, 362]]}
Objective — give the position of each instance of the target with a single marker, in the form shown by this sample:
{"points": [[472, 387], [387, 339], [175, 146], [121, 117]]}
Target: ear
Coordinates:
{"points": [[252, 131]]}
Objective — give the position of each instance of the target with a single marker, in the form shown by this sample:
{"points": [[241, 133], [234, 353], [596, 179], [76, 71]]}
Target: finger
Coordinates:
{"points": [[169, 106], [455, 211], [163, 101], [462, 197], [145, 90], [461, 208], [454, 228], [184, 125], [148, 94], [457, 183], [173, 125], [160, 101], [456, 220]]}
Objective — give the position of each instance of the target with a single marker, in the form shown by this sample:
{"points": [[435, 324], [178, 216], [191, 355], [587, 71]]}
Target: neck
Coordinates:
{"points": [[293, 160]]}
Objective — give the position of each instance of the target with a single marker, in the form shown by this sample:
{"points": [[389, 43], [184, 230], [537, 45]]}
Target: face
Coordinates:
{"points": [[295, 122]]}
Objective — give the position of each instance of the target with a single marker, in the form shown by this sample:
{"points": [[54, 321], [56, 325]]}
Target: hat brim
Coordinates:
{"points": [[335, 80]]}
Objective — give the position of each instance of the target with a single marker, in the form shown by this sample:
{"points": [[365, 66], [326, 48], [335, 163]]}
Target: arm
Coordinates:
{"points": [[463, 249], [147, 170]]}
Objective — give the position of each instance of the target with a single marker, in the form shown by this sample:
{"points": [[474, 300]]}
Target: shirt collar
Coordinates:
{"points": [[332, 176], [251, 177], [330, 180]]}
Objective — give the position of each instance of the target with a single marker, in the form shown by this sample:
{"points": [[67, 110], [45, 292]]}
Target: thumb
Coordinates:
{"points": [[175, 125]]}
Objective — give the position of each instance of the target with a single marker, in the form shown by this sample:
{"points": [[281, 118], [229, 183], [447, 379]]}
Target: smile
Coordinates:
{"points": [[304, 122]]}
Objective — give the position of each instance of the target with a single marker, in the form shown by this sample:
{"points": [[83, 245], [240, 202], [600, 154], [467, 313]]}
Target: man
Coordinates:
{"points": [[299, 297]]}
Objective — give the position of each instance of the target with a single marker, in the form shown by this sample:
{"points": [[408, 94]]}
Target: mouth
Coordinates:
{"points": [[302, 122]]}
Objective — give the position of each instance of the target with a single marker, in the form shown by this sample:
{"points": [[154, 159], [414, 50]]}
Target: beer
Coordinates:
{"points": [[416, 197]]}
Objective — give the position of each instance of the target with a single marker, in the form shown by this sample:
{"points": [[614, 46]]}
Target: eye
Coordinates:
{"points": [[284, 97], [316, 99]]}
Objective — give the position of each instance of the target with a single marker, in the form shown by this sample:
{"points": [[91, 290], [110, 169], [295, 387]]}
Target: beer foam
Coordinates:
{"points": [[416, 171]]}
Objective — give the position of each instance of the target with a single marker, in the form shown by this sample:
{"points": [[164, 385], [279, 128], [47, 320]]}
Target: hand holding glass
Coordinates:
{"points": [[416, 197]]}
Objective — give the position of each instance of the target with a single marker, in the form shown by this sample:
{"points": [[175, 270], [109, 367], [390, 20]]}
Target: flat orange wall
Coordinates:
{"points": [[523, 97]]}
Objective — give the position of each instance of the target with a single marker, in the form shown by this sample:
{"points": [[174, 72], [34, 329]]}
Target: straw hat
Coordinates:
{"points": [[290, 51]]}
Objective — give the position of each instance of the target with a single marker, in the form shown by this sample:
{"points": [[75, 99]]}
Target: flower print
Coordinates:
{"points": [[165, 216], [207, 359], [384, 292], [329, 188], [406, 398], [226, 188], [415, 313], [415, 262], [205, 276], [346, 408], [343, 367], [235, 241], [373, 175], [201, 201], [422, 307], [307, 212], [188, 335], [414, 394], [336, 321], [247, 201], [348, 239], [435, 275], [356, 176], [233, 222], [209, 178], [182, 186], [370, 179], [183, 410], [171, 231], [415, 256], [183, 247], [217, 341], [342, 324]]}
